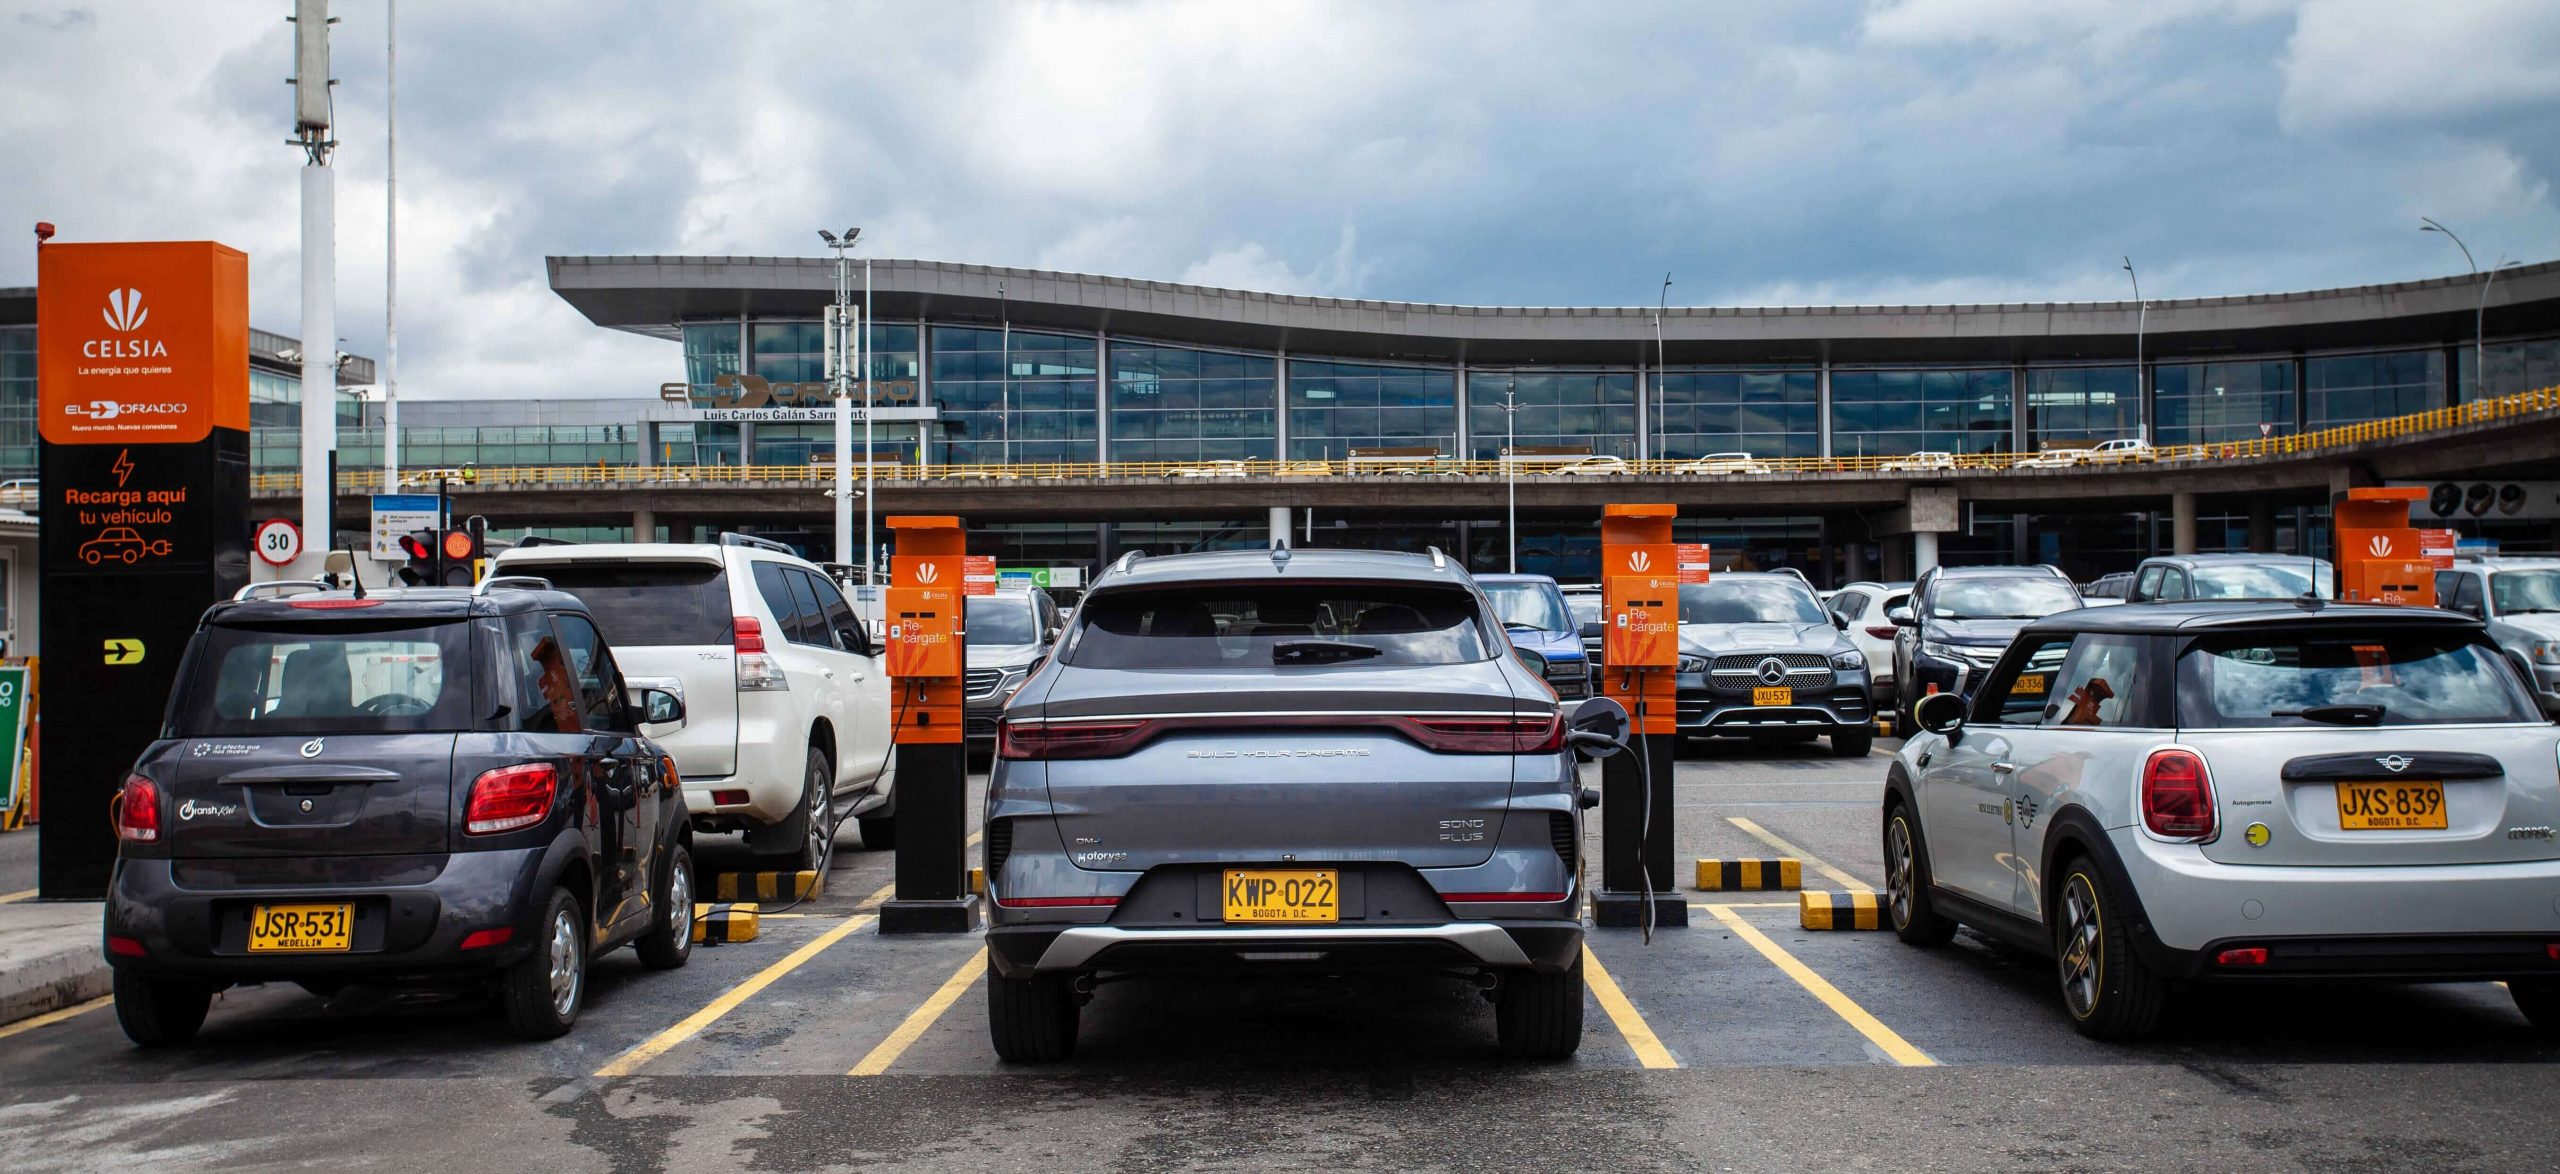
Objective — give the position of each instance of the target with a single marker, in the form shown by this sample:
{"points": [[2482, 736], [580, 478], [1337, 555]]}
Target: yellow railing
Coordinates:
{"points": [[817, 476]]}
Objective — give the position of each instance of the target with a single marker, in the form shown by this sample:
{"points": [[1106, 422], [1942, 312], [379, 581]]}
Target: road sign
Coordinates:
{"points": [[396, 514], [278, 542], [1024, 576]]}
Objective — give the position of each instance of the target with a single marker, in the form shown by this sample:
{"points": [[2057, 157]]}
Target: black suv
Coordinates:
{"points": [[1960, 620], [429, 786]]}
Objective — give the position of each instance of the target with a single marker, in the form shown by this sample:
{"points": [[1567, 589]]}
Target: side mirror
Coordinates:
{"points": [[1597, 728], [660, 707], [1533, 660], [1939, 713], [1840, 621], [855, 640], [1901, 617]]}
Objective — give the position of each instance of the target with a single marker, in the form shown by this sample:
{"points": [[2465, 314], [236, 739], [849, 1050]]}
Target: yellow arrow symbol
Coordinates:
{"points": [[124, 650]]}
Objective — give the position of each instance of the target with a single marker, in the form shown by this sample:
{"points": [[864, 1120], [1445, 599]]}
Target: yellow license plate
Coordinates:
{"points": [[2029, 683], [300, 929], [2394, 805], [1293, 895], [1782, 695]]}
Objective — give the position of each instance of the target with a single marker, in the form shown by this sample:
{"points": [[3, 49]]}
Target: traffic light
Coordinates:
{"points": [[419, 548], [461, 551]]}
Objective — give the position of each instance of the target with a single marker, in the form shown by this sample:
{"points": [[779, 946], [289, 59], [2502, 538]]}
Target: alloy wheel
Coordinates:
{"points": [[568, 962], [1899, 874], [821, 821], [680, 903], [2082, 963]]}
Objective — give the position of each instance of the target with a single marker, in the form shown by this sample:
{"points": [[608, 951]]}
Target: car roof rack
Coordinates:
{"points": [[1439, 561], [530, 540], [1127, 561], [732, 538], [512, 583], [280, 586]]}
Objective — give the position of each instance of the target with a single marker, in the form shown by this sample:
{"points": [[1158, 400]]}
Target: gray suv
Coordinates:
{"points": [[1008, 632], [2520, 600], [1320, 761], [1760, 658]]}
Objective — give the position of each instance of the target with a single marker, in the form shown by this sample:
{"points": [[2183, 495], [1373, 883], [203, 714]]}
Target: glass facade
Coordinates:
{"points": [[1590, 410], [2083, 404], [710, 351], [1336, 407], [2222, 403], [1764, 413], [2513, 367], [1893, 413], [2346, 389], [1049, 380], [1178, 404], [17, 401]]}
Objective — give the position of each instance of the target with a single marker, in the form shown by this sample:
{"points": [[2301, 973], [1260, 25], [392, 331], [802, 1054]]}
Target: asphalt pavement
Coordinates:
{"points": [[1741, 1042]]}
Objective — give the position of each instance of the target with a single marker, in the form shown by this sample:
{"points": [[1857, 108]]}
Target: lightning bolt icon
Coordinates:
{"points": [[123, 466]]}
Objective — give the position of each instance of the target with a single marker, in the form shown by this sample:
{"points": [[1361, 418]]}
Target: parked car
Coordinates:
{"points": [[1723, 464], [789, 698], [2119, 452], [20, 492], [2519, 598], [2230, 576], [1919, 462], [1759, 657], [1535, 616], [1006, 634], [2208, 792], [1210, 469], [2107, 588], [422, 787], [1592, 467], [1586, 601], [1249, 762], [1960, 620], [1861, 607]]}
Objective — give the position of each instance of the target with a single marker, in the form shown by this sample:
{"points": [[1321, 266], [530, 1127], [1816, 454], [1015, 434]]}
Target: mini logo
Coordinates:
{"points": [[312, 748], [124, 312], [928, 573], [2381, 545], [1639, 562], [1772, 671], [189, 809], [2395, 763]]}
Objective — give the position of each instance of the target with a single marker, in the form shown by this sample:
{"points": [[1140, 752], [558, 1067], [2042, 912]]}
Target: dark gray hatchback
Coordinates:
{"points": [[409, 787]]}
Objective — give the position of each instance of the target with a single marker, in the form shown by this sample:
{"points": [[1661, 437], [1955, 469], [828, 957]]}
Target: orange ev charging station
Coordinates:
{"points": [[1640, 613], [2379, 556], [926, 619]]}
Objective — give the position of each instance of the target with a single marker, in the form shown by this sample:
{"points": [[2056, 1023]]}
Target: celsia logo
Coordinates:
{"points": [[928, 573], [1639, 561], [124, 310], [2381, 545]]}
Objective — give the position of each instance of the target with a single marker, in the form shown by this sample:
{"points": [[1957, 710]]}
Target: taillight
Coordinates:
{"points": [[138, 811], [757, 672], [1506, 734], [510, 797], [327, 604], [482, 939], [1070, 739], [2177, 796], [126, 947], [1880, 631]]}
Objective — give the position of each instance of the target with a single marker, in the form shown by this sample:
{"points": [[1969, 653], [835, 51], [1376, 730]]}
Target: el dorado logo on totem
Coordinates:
{"points": [[141, 343]]}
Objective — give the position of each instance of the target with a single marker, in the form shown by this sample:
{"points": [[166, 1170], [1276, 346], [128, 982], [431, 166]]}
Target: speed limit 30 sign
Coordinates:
{"points": [[277, 541]]}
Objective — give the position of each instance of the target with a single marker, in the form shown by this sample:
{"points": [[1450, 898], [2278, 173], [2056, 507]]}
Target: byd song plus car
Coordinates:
{"points": [[1254, 762], [2228, 792], [431, 786]]}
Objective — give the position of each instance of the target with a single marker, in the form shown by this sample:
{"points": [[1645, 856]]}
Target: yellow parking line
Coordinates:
{"points": [[692, 1025], [20, 895], [923, 1017], [1696, 905], [50, 1018], [1639, 1035], [1844, 880], [1841, 1005]]}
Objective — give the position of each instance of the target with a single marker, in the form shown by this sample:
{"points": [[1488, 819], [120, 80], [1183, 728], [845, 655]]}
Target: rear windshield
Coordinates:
{"points": [[2372, 677], [1286, 624], [1527, 605], [2279, 580], [642, 604], [1749, 601], [321, 679], [2024, 597]]}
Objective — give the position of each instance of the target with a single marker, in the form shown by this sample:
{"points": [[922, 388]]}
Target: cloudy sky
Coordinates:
{"points": [[1813, 151]]}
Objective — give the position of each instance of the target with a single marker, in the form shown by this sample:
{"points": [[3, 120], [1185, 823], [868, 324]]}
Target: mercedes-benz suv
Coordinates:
{"points": [[1760, 658], [1320, 761]]}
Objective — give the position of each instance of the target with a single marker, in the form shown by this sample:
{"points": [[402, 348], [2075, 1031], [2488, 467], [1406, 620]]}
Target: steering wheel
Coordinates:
{"points": [[395, 705]]}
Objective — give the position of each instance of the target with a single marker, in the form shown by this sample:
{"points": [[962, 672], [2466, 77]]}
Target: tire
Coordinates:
{"points": [[160, 1012], [1853, 743], [1539, 1016], [805, 842], [879, 834], [1031, 1020], [543, 993], [1906, 884], [2107, 991], [2539, 999], [669, 942]]}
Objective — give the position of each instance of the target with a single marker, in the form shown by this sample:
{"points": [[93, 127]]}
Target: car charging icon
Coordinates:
{"points": [[312, 748]]}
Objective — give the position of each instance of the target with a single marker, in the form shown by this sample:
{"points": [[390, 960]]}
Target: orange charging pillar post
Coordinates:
{"points": [[926, 631], [1640, 586], [2379, 560]]}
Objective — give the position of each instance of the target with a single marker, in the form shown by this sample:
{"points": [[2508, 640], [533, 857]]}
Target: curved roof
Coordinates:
{"points": [[651, 295]]}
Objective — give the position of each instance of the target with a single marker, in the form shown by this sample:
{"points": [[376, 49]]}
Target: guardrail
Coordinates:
{"points": [[821, 475]]}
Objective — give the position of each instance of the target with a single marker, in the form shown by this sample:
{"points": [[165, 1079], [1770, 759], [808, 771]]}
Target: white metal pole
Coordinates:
{"points": [[1511, 472], [319, 360], [839, 348], [391, 249], [862, 363]]}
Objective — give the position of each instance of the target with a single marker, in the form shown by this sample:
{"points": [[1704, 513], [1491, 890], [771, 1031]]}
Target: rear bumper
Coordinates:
{"points": [[399, 931], [2412, 958], [1023, 950], [2193, 905]]}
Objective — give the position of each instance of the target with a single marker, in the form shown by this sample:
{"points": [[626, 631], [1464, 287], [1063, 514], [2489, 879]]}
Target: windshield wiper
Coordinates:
{"points": [[1307, 651], [2336, 715], [1512, 625]]}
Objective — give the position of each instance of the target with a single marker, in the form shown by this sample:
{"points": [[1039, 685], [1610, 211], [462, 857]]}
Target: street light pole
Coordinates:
{"points": [[2480, 317], [391, 247], [1661, 374], [840, 355], [2141, 385], [1511, 471], [870, 408]]}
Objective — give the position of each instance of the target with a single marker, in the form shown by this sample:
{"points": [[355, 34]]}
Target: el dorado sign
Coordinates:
{"points": [[752, 397]]}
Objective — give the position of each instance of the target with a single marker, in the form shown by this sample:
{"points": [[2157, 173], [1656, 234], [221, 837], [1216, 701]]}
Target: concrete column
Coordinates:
{"points": [[1857, 567], [1644, 415], [648, 443], [2262, 525], [1924, 552], [1279, 525], [746, 442], [2182, 523], [644, 526], [1822, 405], [1280, 405]]}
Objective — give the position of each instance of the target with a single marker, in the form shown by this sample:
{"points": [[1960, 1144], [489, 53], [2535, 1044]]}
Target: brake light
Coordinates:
{"points": [[1071, 739], [2244, 956], [1880, 631], [1533, 733], [481, 939], [2177, 796], [757, 672], [138, 811], [748, 633], [726, 797], [510, 797], [332, 604], [126, 947]]}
